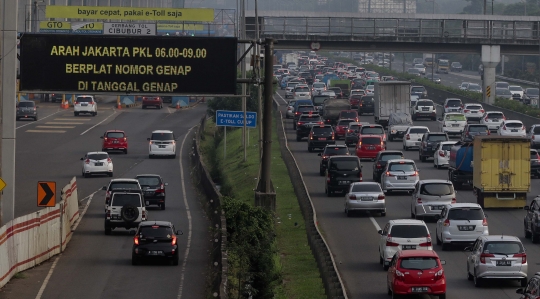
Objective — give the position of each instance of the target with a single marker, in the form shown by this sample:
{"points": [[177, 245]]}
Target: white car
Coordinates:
{"points": [[517, 91], [402, 234], [452, 105], [96, 163], [399, 175], [421, 68], [460, 223], [162, 143], [512, 128], [370, 89], [290, 109], [318, 87], [493, 119], [289, 90], [452, 123], [430, 197], [365, 196], [301, 91], [413, 136], [473, 111], [464, 86], [85, 104], [442, 154]]}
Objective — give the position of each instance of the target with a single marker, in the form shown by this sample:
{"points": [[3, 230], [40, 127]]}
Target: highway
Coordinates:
{"points": [[95, 265], [354, 241]]}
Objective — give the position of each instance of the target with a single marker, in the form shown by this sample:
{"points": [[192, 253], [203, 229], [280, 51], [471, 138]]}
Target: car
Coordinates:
{"points": [[56, 97], [348, 114], [423, 108], [497, 257], [370, 89], [365, 196], [430, 197], [512, 128], [162, 143], [417, 61], [366, 105], [442, 154], [301, 91], [413, 136], [318, 101], [433, 78], [399, 175], [517, 92], [328, 93], [96, 163], [401, 235], [530, 94], [85, 104], [501, 84], [126, 210], [152, 101], [321, 136], [503, 93], [419, 91], [318, 87], [298, 103], [304, 124], [114, 140], [328, 151], [342, 126], [398, 123], [290, 109], [535, 163], [456, 67], [380, 162], [289, 89], [452, 123], [342, 171], [373, 129], [493, 119], [414, 72], [337, 91], [26, 110], [531, 221], [119, 185], [354, 101], [351, 135], [369, 146], [420, 68], [531, 291], [153, 187], [301, 110], [473, 112], [428, 144], [472, 130], [464, 85], [452, 105], [430, 278], [534, 134], [460, 223], [474, 87], [156, 240]]}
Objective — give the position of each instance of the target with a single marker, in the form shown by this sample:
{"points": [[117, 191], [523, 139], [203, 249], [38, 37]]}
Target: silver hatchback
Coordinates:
{"points": [[430, 197], [365, 196], [497, 257], [399, 175], [460, 223]]}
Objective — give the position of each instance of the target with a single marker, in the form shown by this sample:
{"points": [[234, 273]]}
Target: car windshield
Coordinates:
{"points": [[515, 88], [310, 118], [148, 180], [367, 100], [418, 263], [391, 157], [292, 84], [155, 231], [503, 247], [348, 114], [345, 165], [424, 103], [418, 130], [302, 89], [474, 107], [536, 130], [330, 151], [408, 231], [306, 109], [366, 130], [514, 125], [437, 138], [447, 146], [532, 91], [437, 189], [455, 117], [319, 100], [503, 92], [495, 116], [27, 104], [366, 188], [162, 136], [403, 167], [417, 89], [319, 85], [465, 214], [453, 103], [478, 128], [345, 122], [323, 130], [371, 140], [98, 156], [84, 99], [474, 87], [115, 135], [126, 199], [534, 155], [124, 185]]}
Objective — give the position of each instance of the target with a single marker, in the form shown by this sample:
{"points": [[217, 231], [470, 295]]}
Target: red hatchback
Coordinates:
{"points": [[114, 140], [349, 114], [152, 101], [369, 146], [416, 272], [342, 126]]}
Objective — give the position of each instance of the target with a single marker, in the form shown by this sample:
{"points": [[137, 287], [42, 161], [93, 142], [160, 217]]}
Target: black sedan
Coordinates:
{"points": [[155, 240], [153, 189]]}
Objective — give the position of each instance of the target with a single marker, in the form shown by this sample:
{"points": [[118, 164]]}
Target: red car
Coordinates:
{"points": [[349, 114], [152, 101], [416, 272], [342, 126], [369, 146], [114, 140]]}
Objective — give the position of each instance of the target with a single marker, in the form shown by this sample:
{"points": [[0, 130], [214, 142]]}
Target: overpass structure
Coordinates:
{"points": [[487, 35]]}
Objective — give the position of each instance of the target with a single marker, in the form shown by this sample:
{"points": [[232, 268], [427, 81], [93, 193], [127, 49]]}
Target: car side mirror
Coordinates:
{"points": [[526, 208], [443, 262], [148, 139], [380, 232], [179, 232], [519, 291], [101, 137], [104, 188], [132, 232], [468, 248], [166, 184]]}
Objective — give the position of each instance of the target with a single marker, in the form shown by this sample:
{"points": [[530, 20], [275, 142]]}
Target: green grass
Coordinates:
{"points": [[19, 275], [299, 272]]}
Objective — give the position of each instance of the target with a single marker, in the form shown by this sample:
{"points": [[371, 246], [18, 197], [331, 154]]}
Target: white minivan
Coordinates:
{"points": [[162, 143], [85, 104]]}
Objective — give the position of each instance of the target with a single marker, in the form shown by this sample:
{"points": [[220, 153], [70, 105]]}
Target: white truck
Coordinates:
{"points": [[391, 96]]}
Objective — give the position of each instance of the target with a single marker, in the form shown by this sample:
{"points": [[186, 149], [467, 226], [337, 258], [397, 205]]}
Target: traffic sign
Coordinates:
{"points": [[235, 118], [46, 194], [2, 184], [488, 91], [129, 28]]}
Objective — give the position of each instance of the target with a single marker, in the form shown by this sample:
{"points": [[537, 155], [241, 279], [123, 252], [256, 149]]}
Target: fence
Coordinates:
{"points": [[213, 205], [31, 239]]}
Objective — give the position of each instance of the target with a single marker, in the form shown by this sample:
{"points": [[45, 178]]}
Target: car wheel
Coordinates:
{"points": [[437, 238], [405, 148], [310, 149], [445, 246], [381, 261], [175, 260], [413, 216], [442, 296], [385, 268], [76, 113], [527, 233], [35, 118], [107, 230], [469, 275], [348, 213], [534, 236], [383, 214], [162, 205], [95, 113], [143, 107], [125, 151], [388, 291], [134, 260], [86, 175], [439, 166], [390, 138], [321, 171], [523, 282], [423, 159], [477, 280], [150, 156], [110, 174], [328, 192]]}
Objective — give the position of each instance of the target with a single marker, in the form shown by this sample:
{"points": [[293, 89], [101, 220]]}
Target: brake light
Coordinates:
{"points": [[173, 240], [408, 137], [415, 173], [360, 176], [161, 189], [35, 108], [105, 138], [289, 108], [522, 127], [523, 257], [446, 106], [439, 274], [504, 127], [109, 160], [486, 119], [136, 240], [427, 243], [352, 196], [379, 166], [328, 178], [125, 138], [389, 174], [504, 117], [484, 222], [300, 123], [489, 133], [419, 200], [483, 257], [461, 106], [453, 200], [399, 275], [441, 153], [87, 161], [143, 215], [446, 222], [390, 243], [466, 110], [381, 197], [482, 110], [108, 215]]}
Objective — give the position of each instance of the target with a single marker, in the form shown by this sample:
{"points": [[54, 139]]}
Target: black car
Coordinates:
{"points": [[303, 109], [456, 67], [366, 105], [342, 171], [26, 110], [55, 97], [535, 163], [351, 134], [380, 162], [472, 130], [304, 124], [337, 91], [320, 136], [428, 144], [307, 76], [331, 150], [153, 188], [156, 240]]}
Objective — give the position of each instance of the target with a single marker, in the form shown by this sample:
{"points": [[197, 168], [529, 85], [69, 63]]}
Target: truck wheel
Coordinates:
{"points": [[480, 198]]}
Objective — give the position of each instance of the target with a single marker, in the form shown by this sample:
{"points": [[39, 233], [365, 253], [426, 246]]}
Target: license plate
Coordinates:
{"points": [[161, 146], [366, 198], [419, 289], [495, 120], [504, 263], [155, 252], [474, 111], [115, 217], [514, 130], [116, 141], [455, 125], [344, 182], [98, 164], [402, 177], [322, 138], [408, 247], [437, 207], [417, 143], [466, 227], [149, 192], [425, 109], [371, 148]]}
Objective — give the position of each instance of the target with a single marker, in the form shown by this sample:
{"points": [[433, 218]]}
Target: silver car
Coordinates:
{"points": [[289, 90], [492, 119], [430, 197], [497, 257], [290, 109], [365, 196], [399, 175], [460, 223]]}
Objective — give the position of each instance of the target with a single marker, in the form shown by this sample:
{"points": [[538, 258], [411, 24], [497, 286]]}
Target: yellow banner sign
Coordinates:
{"points": [[180, 27], [54, 25], [130, 13], [87, 25]]}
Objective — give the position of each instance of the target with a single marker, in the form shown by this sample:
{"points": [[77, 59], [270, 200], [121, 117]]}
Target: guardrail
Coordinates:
{"points": [[517, 80]]}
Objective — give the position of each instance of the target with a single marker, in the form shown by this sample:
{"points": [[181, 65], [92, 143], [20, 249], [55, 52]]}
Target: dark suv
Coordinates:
{"points": [[472, 130], [302, 109], [429, 143], [304, 124], [153, 189], [331, 150], [531, 221], [367, 105], [341, 173], [320, 136], [535, 163], [380, 162], [156, 240], [26, 110]]}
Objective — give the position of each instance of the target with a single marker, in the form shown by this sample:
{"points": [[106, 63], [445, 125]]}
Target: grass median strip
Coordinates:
{"points": [[300, 277]]}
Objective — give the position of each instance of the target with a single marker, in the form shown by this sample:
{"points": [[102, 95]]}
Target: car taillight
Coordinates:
{"points": [[461, 106], [523, 257], [289, 108], [466, 110], [427, 243], [483, 257], [87, 161], [504, 117], [297, 113], [484, 222], [360, 176], [328, 178], [400, 275], [300, 123], [352, 197], [349, 131], [389, 174], [489, 133], [504, 127], [482, 110], [332, 135], [109, 160], [446, 106], [378, 166], [439, 274], [143, 215], [522, 127], [125, 138], [105, 138], [415, 173], [419, 200], [441, 153], [173, 240], [381, 197], [35, 108], [453, 200], [408, 137], [108, 215], [446, 222], [486, 119], [390, 243], [136, 240]]}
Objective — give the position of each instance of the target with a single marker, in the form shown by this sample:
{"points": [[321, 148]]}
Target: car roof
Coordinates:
{"points": [[418, 127], [85, 95], [432, 181], [144, 175], [494, 112], [418, 253], [162, 131], [151, 223], [473, 104], [370, 136], [400, 160], [464, 205], [124, 180], [365, 183], [336, 145], [453, 99], [114, 131], [406, 221], [500, 238], [451, 141], [90, 153], [513, 121], [436, 133], [343, 156]]}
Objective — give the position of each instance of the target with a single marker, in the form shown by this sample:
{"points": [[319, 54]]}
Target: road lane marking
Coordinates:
{"points": [[42, 118], [45, 131], [184, 261], [56, 127], [282, 98], [99, 123], [72, 119], [62, 123], [377, 227]]}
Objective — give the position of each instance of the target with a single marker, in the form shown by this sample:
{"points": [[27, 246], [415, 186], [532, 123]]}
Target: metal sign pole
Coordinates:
{"points": [[225, 143]]}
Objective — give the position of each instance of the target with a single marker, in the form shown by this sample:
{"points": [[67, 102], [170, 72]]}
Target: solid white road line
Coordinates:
{"points": [[42, 118], [74, 119], [99, 123], [285, 101], [184, 261], [63, 123], [56, 127], [45, 131], [377, 227]]}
